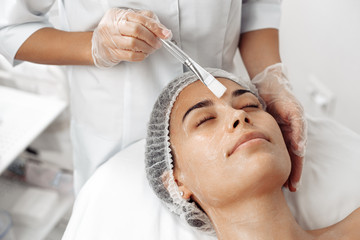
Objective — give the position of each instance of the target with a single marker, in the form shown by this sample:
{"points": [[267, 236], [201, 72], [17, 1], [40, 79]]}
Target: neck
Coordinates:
{"points": [[260, 217]]}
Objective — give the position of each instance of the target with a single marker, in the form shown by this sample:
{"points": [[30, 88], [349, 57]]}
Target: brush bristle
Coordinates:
{"points": [[216, 87]]}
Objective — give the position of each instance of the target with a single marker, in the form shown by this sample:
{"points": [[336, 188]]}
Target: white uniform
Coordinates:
{"points": [[110, 108]]}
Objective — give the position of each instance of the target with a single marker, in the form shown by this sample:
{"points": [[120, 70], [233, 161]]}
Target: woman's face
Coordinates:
{"points": [[225, 149]]}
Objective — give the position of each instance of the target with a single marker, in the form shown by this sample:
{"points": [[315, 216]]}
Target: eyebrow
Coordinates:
{"points": [[208, 103], [240, 92], [202, 104]]}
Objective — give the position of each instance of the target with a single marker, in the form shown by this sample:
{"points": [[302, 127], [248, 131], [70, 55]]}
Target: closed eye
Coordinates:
{"points": [[203, 120], [251, 106]]}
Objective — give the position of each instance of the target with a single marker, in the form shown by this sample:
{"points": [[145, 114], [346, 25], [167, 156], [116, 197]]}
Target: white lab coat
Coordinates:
{"points": [[110, 107]]}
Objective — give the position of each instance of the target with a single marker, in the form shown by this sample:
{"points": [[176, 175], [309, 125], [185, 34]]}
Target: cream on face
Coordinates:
{"points": [[225, 149]]}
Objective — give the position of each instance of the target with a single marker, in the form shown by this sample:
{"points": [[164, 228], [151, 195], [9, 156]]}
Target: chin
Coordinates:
{"points": [[270, 168]]}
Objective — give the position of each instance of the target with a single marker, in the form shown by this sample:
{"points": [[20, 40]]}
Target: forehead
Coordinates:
{"points": [[197, 91]]}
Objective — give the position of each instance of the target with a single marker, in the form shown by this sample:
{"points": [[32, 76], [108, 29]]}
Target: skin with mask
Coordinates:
{"points": [[231, 159]]}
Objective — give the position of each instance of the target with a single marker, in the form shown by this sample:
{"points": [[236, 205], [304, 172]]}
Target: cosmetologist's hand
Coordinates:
{"points": [[126, 35], [275, 89]]}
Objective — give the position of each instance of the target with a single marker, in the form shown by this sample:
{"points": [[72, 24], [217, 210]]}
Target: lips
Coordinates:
{"points": [[247, 137]]}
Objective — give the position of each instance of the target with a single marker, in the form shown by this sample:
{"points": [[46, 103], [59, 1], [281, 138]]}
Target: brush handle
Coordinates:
{"points": [[182, 57], [174, 50], [213, 84]]}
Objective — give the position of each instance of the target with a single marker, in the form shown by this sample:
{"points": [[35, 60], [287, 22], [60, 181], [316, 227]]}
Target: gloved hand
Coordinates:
{"points": [[126, 35], [275, 89]]}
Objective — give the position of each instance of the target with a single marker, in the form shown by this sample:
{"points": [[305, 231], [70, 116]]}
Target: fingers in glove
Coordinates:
{"points": [[295, 138], [138, 31], [127, 55], [151, 24], [298, 136], [286, 184], [296, 170], [129, 35], [291, 119], [132, 44], [152, 15], [296, 154], [149, 14]]}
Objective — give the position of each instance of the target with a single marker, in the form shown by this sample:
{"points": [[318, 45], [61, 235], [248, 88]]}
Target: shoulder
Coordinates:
{"points": [[351, 224], [347, 229]]}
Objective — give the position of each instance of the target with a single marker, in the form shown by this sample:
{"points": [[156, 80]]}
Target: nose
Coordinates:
{"points": [[238, 119]]}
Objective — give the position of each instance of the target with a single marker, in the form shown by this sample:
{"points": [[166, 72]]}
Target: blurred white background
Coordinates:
{"points": [[320, 44], [319, 41]]}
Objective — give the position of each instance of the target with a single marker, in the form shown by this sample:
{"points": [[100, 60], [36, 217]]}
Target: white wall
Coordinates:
{"points": [[321, 38]]}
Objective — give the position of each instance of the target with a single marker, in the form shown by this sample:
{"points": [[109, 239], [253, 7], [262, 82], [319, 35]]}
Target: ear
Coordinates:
{"points": [[187, 193], [182, 188]]}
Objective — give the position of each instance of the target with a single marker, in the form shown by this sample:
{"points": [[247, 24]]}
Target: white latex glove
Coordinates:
{"points": [[126, 35], [275, 89]]}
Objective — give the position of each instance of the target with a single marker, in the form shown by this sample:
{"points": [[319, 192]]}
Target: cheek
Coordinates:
{"points": [[197, 159], [276, 134], [202, 165], [279, 152]]}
